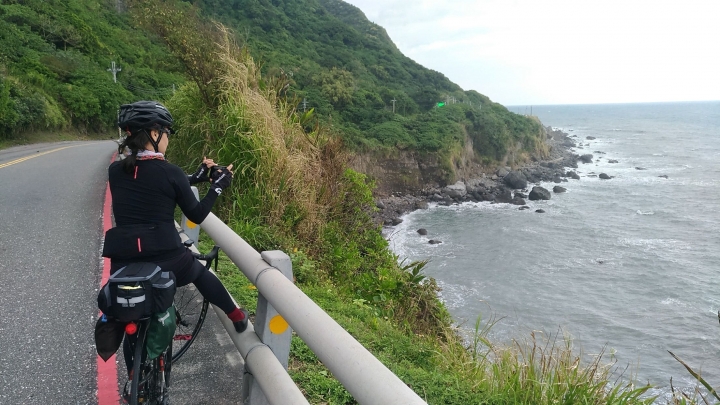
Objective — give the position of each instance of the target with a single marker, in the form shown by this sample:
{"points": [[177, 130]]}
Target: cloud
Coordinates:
{"points": [[558, 51]]}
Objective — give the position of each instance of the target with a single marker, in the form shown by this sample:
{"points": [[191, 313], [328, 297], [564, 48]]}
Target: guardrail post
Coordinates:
{"points": [[191, 229], [270, 327]]}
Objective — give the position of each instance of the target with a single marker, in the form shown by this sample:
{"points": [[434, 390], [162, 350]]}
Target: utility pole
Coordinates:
{"points": [[114, 71], [393, 101], [304, 103]]}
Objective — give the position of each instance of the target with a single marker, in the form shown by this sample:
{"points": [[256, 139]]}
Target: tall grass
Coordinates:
{"points": [[540, 370], [287, 171]]}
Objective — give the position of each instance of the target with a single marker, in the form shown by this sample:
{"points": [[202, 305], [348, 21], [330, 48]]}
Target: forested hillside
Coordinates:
{"points": [[55, 56]]}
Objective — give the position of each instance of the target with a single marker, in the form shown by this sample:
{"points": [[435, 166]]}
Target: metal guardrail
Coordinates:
{"points": [[364, 376]]}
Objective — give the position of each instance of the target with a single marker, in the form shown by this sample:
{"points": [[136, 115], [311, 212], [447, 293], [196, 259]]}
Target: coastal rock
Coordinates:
{"points": [[558, 189], [604, 176], [539, 193], [524, 207], [573, 175], [664, 176], [640, 168], [586, 158], [612, 161], [519, 194], [515, 180], [517, 201], [590, 138], [540, 211], [421, 205], [422, 231], [456, 190], [504, 196], [396, 221], [557, 179], [434, 242], [380, 205], [502, 172]]}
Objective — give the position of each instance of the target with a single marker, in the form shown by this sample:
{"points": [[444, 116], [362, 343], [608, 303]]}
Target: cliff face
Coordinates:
{"points": [[409, 172], [402, 171]]}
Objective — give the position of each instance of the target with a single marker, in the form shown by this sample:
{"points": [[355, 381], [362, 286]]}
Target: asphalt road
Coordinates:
{"points": [[51, 198]]}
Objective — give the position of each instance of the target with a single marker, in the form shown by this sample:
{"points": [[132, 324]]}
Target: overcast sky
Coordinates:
{"points": [[520, 52]]}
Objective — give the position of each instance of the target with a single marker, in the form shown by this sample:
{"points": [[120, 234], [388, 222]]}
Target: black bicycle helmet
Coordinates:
{"points": [[144, 114]]}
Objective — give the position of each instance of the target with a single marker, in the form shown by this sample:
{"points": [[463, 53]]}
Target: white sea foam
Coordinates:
{"points": [[644, 212]]}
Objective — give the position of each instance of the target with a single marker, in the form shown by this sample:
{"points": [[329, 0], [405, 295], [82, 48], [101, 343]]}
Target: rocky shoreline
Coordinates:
{"points": [[504, 185]]}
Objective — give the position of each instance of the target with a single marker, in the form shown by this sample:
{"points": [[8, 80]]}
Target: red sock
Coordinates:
{"points": [[236, 315]]}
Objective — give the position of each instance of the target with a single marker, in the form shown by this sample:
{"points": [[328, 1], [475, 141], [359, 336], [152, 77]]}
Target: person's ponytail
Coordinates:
{"points": [[134, 142]]}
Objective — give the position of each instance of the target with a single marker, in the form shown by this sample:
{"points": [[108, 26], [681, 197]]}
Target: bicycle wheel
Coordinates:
{"points": [[191, 309], [138, 363]]}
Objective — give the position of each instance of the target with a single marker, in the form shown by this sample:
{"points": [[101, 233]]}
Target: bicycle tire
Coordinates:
{"points": [[137, 363], [191, 308]]}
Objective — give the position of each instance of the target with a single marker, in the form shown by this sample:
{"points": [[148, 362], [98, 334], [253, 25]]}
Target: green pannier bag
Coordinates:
{"points": [[161, 332]]}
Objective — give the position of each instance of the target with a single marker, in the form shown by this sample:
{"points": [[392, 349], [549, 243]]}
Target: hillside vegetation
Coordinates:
{"points": [[55, 56]]}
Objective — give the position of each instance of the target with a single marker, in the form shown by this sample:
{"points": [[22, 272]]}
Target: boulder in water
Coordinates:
{"points": [[539, 193], [540, 211], [434, 242], [422, 231], [396, 221], [558, 189], [640, 168], [612, 161], [587, 158], [664, 176], [590, 138], [604, 176]]}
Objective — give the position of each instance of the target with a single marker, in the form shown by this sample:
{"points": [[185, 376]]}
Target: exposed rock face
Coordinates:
{"points": [[539, 193], [402, 171], [515, 180], [587, 158], [502, 172], [558, 189]]}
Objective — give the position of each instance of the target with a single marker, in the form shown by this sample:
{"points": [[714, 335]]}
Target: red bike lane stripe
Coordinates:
{"points": [[107, 378]]}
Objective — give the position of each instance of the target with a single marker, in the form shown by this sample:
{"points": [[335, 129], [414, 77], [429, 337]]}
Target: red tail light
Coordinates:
{"points": [[131, 328]]}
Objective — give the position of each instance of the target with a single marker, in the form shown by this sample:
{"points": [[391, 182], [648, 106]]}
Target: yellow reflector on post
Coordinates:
{"points": [[278, 325]]}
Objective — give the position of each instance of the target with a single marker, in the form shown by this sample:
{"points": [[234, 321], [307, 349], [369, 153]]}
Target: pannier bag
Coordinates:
{"points": [[108, 336], [137, 291], [161, 332]]}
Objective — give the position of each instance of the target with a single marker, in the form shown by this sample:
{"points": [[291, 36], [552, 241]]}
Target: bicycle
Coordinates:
{"points": [[150, 380]]}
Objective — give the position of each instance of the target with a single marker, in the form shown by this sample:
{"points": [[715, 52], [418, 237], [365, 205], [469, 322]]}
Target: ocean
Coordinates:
{"points": [[630, 265]]}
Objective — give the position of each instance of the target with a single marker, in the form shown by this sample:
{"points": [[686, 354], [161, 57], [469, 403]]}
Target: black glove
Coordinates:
{"points": [[200, 175], [221, 178]]}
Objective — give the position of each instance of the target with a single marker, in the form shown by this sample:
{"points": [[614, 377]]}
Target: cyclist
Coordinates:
{"points": [[145, 189]]}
